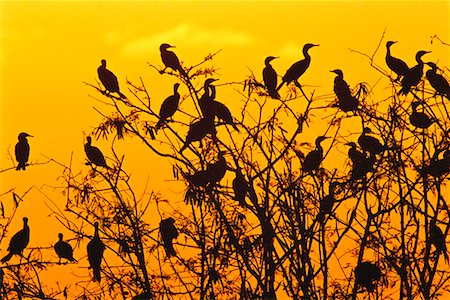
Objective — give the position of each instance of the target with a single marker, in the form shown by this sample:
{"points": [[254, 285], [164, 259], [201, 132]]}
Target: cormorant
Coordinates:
{"points": [[63, 249], [216, 171], [327, 202], [437, 81], [168, 107], [170, 59], [22, 151], [355, 155], [438, 167], [369, 143], [361, 168], [209, 94], [367, 274], [397, 65], [346, 101], [270, 78], [198, 130], [419, 119], [109, 80], [94, 154], [298, 68], [95, 250], [240, 188], [314, 158], [414, 75], [223, 113], [168, 233], [437, 239], [198, 179], [18, 242]]}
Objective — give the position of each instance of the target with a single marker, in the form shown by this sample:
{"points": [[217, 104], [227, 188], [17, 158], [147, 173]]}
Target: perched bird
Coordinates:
{"points": [[369, 143], [22, 151], [109, 80], [419, 119], [168, 107], [94, 154], [438, 167], [367, 274], [270, 78], [223, 113], [437, 81], [18, 242], [198, 130], [397, 65], [298, 68], [362, 167], [198, 179], [205, 100], [414, 75], [437, 238], [168, 233], [347, 102], [327, 202], [240, 188], [170, 59], [95, 249], [314, 158], [216, 171], [355, 155], [63, 249]]}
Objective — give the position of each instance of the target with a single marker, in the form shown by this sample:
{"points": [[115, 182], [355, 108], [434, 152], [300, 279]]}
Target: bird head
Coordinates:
{"points": [[320, 139], [89, 140], [25, 220], [175, 87], [432, 65], [351, 144], [165, 46], [209, 81], [414, 105], [421, 53], [269, 59], [23, 136], [308, 46], [390, 43], [367, 130], [338, 72], [96, 225], [103, 62], [60, 236]]}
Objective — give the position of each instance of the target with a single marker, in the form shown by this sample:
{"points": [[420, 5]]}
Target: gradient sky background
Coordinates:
{"points": [[48, 49]]}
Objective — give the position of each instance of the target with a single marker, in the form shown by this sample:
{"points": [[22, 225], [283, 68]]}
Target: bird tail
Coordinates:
{"points": [[159, 124], [404, 90], [121, 95], [279, 87], [235, 127], [97, 276], [7, 257], [274, 94], [170, 251]]}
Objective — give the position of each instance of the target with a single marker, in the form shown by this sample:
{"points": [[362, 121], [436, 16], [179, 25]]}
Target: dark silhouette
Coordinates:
{"points": [[369, 143], [270, 78], [414, 75], [346, 101], [314, 158], [95, 249], [22, 151], [437, 238], [438, 167], [367, 274], [63, 249], [223, 113], [397, 65], [94, 154], [109, 80], [240, 188], [198, 130], [355, 155], [437, 81], [168, 233], [170, 59], [143, 296], [168, 107], [298, 68], [419, 119], [205, 100], [361, 168], [216, 171], [18, 242], [327, 202]]}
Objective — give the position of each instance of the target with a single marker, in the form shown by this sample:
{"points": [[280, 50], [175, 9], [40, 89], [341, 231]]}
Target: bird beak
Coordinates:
{"points": [[315, 45]]}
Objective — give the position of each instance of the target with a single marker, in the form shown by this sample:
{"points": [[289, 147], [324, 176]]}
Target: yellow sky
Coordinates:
{"points": [[48, 49]]}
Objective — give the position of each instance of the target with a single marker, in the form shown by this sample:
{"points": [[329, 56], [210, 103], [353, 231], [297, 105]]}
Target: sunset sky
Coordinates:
{"points": [[48, 49]]}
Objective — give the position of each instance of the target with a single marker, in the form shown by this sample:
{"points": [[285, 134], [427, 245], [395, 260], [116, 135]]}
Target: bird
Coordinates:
{"points": [[170, 59], [314, 158], [168, 107], [94, 154], [95, 249], [397, 65], [216, 171], [369, 143], [18, 242], [298, 68], [355, 155], [168, 233], [362, 167], [270, 78], [366, 274], [22, 151], [419, 119], [327, 202], [109, 80], [240, 188], [205, 100], [198, 130], [222, 112], [414, 74], [63, 249], [437, 238], [198, 179], [437, 81], [347, 102]]}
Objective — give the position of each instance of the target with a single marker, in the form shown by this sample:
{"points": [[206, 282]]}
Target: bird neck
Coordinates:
{"points": [[306, 54]]}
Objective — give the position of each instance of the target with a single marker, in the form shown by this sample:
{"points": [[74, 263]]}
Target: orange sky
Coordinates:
{"points": [[48, 49]]}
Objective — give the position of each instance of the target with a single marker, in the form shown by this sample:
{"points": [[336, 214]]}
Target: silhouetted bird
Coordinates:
{"points": [[314, 158], [94, 154], [362, 167], [367, 274], [170, 59], [270, 78], [327, 202], [346, 101], [168, 233], [18, 242], [199, 179], [216, 171], [355, 155], [95, 249], [419, 119], [198, 130], [438, 167], [298, 68], [369, 143], [109, 80], [168, 107], [437, 238], [414, 75], [437, 81], [397, 65], [223, 113], [209, 94], [22, 151], [240, 188], [63, 249]]}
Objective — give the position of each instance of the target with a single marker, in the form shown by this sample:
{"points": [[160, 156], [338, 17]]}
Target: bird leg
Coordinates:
{"points": [[163, 70]]}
